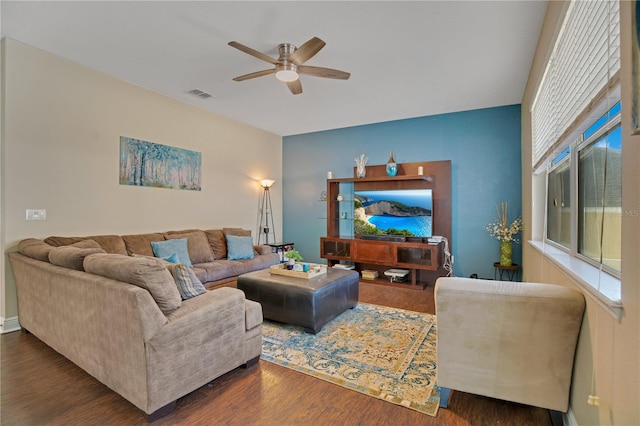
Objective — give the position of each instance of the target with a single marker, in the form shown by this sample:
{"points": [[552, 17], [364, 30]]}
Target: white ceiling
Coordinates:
{"points": [[406, 59]]}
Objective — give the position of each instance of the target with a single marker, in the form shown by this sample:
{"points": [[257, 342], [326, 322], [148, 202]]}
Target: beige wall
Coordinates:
{"points": [[61, 153], [608, 350]]}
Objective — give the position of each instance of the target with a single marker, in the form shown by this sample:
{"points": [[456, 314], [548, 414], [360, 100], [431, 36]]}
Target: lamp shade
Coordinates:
{"points": [[266, 183]]}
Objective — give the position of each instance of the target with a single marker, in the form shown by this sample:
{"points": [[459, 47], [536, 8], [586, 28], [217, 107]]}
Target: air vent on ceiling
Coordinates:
{"points": [[199, 93]]}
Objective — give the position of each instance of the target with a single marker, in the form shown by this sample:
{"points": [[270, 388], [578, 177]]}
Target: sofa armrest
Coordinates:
{"points": [[253, 314], [98, 323], [508, 340], [263, 249], [203, 339]]}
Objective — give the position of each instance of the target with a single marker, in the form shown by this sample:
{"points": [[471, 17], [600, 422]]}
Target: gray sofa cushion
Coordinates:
{"points": [[214, 271], [141, 243], [73, 256], [62, 241], [238, 232], [109, 243], [217, 242], [35, 248], [150, 274]]}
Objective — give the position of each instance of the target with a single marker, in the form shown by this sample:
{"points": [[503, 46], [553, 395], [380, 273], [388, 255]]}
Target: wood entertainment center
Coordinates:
{"points": [[423, 260]]}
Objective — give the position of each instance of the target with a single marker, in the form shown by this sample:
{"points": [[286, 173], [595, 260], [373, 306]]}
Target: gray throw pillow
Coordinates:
{"points": [[188, 284]]}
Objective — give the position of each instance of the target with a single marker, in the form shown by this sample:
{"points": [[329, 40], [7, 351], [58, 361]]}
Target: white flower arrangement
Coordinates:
{"points": [[499, 229], [361, 162]]}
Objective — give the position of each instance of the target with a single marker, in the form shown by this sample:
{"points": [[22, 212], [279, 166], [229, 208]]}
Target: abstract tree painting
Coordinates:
{"points": [[145, 163]]}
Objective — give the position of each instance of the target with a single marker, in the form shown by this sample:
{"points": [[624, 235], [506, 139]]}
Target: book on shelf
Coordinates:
{"points": [[369, 274]]}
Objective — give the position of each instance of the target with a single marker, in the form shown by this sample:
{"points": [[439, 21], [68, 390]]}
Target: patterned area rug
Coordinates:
{"points": [[382, 352]]}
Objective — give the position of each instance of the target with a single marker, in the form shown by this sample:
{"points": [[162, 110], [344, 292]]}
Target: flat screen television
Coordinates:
{"points": [[405, 212]]}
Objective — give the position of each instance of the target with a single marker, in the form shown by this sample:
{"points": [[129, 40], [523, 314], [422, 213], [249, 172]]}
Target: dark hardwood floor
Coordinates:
{"points": [[41, 387]]}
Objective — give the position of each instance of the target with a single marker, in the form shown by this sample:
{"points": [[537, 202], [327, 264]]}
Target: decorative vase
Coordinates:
{"points": [[290, 264], [361, 165], [506, 252], [392, 167]]}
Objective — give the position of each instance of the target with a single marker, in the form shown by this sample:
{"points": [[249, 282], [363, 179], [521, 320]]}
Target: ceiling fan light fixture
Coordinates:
{"points": [[290, 64], [287, 73]]}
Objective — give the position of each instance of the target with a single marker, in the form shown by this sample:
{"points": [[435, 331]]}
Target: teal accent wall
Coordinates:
{"points": [[484, 149]]}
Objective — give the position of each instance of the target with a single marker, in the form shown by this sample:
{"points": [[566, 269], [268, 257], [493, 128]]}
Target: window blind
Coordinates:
{"points": [[584, 62]]}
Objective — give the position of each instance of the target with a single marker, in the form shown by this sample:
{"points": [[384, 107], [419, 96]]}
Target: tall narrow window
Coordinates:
{"points": [[600, 195], [559, 203]]}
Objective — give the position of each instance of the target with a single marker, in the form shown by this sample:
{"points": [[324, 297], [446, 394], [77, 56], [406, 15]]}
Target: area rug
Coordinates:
{"points": [[382, 352]]}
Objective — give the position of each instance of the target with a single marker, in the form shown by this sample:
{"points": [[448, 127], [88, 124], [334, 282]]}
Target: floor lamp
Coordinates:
{"points": [[266, 214]]}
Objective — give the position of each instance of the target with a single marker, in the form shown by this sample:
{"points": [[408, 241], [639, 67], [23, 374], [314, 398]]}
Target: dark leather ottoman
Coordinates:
{"points": [[307, 303]]}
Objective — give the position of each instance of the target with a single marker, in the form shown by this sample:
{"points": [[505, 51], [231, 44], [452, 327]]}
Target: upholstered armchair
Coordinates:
{"points": [[507, 340]]}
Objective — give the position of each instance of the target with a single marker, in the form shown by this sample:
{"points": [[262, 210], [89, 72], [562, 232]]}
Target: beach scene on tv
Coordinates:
{"points": [[405, 212]]}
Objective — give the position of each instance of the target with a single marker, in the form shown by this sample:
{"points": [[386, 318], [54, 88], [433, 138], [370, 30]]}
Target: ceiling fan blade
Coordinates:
{"points": [[306, 51], [253, 52], [254, 75], [295, 86], [323, 72]]}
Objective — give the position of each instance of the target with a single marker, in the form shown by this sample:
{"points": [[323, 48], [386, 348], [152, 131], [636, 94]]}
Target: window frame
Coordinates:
{"points": [[579, 84], [575, 148], [607, 128], [599, 280], [552, 168]]}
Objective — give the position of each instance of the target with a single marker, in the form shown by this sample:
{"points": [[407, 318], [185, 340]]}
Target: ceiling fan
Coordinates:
{"points": [[289, 64]]}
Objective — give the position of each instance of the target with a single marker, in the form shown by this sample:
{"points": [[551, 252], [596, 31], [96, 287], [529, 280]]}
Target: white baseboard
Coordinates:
{"points": [[7, 325], [568, 418]]}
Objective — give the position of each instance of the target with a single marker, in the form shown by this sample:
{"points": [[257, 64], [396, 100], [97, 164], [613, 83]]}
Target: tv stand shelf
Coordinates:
{"points": [[383, 178], [383, 255]]}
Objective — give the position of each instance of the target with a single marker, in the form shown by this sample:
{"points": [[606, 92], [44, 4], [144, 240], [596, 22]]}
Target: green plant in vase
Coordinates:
{"points": [[505, 233], [292, 257]]}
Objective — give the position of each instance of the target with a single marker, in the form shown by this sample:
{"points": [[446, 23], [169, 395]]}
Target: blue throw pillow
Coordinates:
{"points": [[239, 247], [172, 259], [165, 249]]}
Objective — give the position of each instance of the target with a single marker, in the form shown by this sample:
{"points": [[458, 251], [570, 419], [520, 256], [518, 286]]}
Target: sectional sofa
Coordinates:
{"points": [[208, 251], [110, 306]]}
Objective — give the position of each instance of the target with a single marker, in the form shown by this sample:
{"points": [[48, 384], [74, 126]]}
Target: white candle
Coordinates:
{"points": [[420, 170], [329, 175]]}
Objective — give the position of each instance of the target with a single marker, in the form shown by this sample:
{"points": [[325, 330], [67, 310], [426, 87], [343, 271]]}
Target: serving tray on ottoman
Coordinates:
{"points": [[309, 303], [314, 271]]}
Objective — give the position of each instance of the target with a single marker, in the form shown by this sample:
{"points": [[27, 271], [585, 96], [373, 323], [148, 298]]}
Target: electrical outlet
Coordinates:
{"points": [[33, 214]]}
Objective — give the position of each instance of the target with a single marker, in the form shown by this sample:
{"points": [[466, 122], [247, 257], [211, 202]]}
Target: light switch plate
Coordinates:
{"points": [[33, 214]]}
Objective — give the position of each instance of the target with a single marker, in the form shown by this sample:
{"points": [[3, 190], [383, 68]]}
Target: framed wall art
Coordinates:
{"points": [[145, 163]]}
